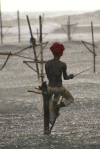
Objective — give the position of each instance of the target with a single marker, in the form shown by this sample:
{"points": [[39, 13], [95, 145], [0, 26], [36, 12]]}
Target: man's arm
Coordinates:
{"points": [[65, 76]]}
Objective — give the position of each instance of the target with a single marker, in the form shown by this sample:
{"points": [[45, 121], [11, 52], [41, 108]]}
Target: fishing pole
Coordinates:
{"points": [[82, 71]]}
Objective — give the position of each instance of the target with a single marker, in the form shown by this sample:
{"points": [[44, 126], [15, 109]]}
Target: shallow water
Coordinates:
{"points": [[21, 124]]}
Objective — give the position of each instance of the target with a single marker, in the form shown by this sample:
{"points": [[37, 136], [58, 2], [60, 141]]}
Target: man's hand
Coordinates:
{"points": [[71, 76]]}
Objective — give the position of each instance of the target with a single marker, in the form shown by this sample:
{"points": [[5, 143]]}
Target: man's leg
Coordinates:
{"points": [[68, 98], [55, 106]]}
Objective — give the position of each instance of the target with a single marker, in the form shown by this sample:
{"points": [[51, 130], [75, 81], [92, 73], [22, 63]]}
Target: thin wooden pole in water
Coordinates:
{"points": [[46, 108], [33, 43], [44, 86], [18, 25], [37, 35], [93, 46], [1, 24], [68, 25], [5, 62], [40, 22]]}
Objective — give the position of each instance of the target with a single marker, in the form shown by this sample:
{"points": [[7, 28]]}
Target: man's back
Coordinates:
{"points": [[54, 69]]}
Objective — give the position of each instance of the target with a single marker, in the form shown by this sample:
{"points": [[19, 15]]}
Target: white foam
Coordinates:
{"points": [[47, 28]]}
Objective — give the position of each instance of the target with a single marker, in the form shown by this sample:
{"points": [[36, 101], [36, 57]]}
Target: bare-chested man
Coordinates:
{"points": [[54, 70]]}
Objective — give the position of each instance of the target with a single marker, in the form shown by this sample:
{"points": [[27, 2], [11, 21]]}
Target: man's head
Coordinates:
{"points": [[57, 48]]}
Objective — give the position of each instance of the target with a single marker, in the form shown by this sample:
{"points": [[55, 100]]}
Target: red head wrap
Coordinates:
{"points": [[56, 47]]}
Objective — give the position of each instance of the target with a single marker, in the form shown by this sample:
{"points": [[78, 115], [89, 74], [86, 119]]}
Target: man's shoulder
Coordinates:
{"points": [[52, 61], [63, 63], [48, 63]]}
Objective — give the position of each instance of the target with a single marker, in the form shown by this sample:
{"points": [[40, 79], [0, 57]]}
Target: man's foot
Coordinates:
{"points": [[55, 109], [62, 104]]}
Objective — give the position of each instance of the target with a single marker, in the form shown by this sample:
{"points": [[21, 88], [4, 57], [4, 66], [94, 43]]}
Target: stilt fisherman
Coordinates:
{"points": [[54, 70]]}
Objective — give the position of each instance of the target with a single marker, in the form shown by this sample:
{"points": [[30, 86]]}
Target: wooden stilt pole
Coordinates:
{"points": [[18, 25], [1, 24], [33, 43], [68, 25], [30, 66], [40, 22], [24, 49], [5, 62], [37, 35], [46, 108], [87, 46], [44, 86], [93, 46]]}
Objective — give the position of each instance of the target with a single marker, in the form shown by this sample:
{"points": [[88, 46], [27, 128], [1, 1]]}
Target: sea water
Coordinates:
{"points": [[21, 123]]}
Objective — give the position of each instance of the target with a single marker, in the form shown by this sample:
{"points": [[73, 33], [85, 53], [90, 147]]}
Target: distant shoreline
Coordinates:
{"points": [[59, 17]]}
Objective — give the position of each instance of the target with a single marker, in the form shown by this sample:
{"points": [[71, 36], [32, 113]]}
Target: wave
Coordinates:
{"points": [[46, 28]]}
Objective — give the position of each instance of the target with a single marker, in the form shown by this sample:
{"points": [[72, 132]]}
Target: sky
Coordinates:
{"points": [[50, 5]]}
